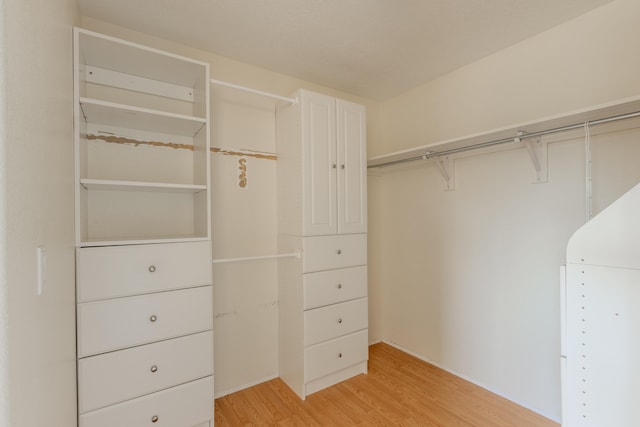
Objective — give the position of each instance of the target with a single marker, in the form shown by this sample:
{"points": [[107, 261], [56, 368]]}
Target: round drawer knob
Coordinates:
{"points": [[153, 318], [339, 286], [154, 369], [339, 320], [339, 355], [152, 269], [341, 166], [154, 419], [339, 251], [333, 166]]}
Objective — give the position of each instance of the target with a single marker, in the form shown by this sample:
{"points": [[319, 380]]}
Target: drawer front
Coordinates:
{"points": [[186, 405], [117, 271], [122, 375], [119, 323], [329, 252], [323, 359], [329, 287], [321, 324]]}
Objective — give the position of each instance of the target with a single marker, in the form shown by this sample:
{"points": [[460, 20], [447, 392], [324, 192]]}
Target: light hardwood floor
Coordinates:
{"points": [[399, 390]]}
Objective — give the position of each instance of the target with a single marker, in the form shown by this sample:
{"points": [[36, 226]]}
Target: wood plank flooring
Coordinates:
{"points": [[399, 390]]}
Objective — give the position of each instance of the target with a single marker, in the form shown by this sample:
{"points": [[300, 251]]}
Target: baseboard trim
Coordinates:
{"points": [[244, 386]]}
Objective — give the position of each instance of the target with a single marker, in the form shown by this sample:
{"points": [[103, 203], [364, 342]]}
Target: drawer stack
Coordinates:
{"points": [[145, 335], [335, 309]]}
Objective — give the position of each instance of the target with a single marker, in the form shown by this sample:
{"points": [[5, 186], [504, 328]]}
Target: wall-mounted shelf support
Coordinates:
{"points": [[447, 167], [539, 157]]}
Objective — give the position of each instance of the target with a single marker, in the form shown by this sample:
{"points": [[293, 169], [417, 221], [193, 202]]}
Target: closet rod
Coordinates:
{"points": [[431, 154], [256, 91], [255, 258]]}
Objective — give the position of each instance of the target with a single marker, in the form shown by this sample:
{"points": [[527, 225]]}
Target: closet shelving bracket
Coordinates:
{"points": [[447, 167], [538, 154]]}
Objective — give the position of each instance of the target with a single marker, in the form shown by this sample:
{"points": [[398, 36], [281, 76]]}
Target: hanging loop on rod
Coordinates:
{"points": [[251, 90]]}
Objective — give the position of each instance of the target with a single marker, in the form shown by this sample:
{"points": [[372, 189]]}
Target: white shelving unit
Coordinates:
{"points": [[143, 258], [600, 322], [142, 127]]}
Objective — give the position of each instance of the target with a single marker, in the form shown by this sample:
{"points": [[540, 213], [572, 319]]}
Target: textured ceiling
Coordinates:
{"points": [[372, 48]]}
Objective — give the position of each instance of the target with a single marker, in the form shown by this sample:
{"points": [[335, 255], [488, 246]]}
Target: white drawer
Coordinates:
{"points": [[331, 356], [124, 322], [321, 324], [332, 286], [186, 405], [122, 375], [117, 271], [329, 252]]}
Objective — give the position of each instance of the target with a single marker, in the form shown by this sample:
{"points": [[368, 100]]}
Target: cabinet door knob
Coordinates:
{"points": [[341, 166], [154, 419], [339, 251], [339, 286], [340, 321], [154, 369], [339, 355], [333, 166], [153, 318], [152, 269]]}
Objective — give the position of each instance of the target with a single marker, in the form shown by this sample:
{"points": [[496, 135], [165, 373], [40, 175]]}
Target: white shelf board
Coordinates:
{"points": [[140, 240], [131, 117], [599, 112], [114, 185], [110, 53]]}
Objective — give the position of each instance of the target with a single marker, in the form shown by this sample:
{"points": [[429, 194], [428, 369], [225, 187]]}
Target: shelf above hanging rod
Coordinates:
{"points": [[605, 113], [251, 90], [255, 258]]}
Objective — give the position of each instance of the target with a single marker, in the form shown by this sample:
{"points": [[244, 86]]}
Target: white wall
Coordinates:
{"points": [[37, 204], [469, 278], [244, 221]]}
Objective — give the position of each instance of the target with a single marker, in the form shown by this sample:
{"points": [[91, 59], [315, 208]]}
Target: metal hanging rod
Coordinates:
{"points": [[256, 91], [432, 154], [255, 258]]}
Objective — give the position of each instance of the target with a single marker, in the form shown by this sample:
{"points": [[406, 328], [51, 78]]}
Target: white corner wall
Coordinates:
{"points": [[469, 278], [37, 206]]}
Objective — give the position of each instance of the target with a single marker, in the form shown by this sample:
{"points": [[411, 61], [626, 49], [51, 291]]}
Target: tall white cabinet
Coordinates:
{"points": [[143, 257], [322, 214], [600, 320]]}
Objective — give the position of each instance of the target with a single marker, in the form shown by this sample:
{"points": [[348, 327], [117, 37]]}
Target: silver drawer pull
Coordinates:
{"points": [[152, 269], [153, 318], [339, 286], [339, 355], [154, 369], [339, 251], [154, 419], [339, 320]]}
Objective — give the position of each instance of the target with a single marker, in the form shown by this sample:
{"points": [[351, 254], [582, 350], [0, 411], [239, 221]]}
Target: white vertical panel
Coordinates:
{"points": [[352, 167], [319, 164]]}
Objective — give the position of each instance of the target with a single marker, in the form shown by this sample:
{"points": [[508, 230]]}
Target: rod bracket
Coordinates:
{"points": [[447, 167], [538, 153]]}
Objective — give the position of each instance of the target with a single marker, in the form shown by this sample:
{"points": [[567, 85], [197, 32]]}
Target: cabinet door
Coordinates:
{"points": [[352, 168], [319, 164]]}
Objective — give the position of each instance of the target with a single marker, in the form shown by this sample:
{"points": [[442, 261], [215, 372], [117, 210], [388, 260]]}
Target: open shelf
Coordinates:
{"points": [[507, 134], [137, 118], [113, 185]]}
